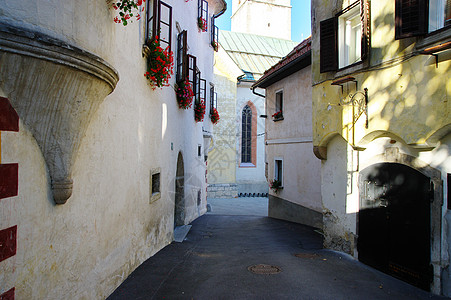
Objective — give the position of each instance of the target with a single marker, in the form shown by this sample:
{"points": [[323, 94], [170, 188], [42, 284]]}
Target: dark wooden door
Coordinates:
{"points": [[394, 222]]}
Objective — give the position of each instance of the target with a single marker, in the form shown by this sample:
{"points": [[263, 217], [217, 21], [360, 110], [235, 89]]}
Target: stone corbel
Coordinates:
{"points": [[320, 152], [55, 88]]}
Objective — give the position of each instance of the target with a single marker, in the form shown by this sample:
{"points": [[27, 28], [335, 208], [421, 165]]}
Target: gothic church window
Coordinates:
{"points": [[246, 137]]}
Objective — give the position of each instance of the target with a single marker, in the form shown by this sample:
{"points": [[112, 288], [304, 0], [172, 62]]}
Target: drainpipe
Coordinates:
{"points": [[254, 92]]}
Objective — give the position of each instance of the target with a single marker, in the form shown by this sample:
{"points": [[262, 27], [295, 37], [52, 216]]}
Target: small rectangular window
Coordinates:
{"points": [[279, 101], [213, 98], [199, 150], [439, 14], [349, 37], [202, 15], [202, 89], [278, 171], [198, 86], [155, 187]]}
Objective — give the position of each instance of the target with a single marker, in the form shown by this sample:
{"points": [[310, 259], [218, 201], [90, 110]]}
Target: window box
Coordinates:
{"points": [[278, 116]]}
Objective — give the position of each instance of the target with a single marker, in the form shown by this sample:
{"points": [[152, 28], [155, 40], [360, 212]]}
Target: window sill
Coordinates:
{"points": [[155, 197], [435, 37], [350, 69], [247, 165], [279, 119]]}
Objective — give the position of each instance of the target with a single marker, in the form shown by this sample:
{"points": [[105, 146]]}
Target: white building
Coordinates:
{"points": [[96, 165]]}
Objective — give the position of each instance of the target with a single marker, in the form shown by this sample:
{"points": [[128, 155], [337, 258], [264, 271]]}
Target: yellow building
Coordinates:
{"points": [[381, 126]]}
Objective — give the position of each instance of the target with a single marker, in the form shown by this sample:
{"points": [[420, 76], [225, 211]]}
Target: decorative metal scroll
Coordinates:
{"points": [[359, 102]]}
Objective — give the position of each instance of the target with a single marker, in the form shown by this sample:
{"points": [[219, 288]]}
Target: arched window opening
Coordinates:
{"points": [[246, 138]]}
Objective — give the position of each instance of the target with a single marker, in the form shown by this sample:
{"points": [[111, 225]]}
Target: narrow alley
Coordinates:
{"points": [[214, 259]]}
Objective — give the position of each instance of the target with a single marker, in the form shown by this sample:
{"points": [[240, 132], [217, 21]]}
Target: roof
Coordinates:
{"points": [[253, 53], [298, 58]]}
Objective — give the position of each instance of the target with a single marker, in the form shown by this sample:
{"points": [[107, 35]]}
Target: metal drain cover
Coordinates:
{"points": [[264, 269], [307, 255]]}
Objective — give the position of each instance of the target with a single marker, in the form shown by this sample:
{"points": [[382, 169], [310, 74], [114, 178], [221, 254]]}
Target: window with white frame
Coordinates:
{"points": [[349, 37], [345, 38], [439, 14]]}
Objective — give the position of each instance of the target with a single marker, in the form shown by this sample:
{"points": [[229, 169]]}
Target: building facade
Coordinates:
{"points": [[237, 164], [293, 171], [381, 127], [97, 164]]}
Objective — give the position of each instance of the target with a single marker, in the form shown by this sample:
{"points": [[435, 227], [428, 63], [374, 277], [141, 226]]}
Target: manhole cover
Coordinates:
{"points": [[264, 269], [307, 255]]}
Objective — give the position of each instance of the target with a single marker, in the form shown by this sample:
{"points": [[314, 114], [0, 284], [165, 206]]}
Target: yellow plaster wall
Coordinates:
{"points": [[409, 97]]}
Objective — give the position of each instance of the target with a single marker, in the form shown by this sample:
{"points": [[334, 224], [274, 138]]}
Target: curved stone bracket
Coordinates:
{"points": [[55, 88]]}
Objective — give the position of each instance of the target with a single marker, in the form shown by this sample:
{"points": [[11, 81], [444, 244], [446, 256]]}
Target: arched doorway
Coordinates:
{"points": [[179, 209], [394, 230]]}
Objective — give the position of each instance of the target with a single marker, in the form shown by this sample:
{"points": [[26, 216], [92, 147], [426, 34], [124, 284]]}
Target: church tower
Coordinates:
{"points": [[262, 17]]}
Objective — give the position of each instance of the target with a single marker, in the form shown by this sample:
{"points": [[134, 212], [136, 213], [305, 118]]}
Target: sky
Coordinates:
{"points": [[300, 19]]}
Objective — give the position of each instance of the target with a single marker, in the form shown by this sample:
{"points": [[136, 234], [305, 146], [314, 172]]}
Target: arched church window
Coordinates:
{"points": [[246, 137]]}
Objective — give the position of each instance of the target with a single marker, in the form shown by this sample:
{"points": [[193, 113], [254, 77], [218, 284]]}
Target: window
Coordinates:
{"points": [[202, 89], [159, 23], [192, 72], [155, 190], [418, 17], [279, 101], [349, 33], [213, 98], [345, 38], [246, 135], [278, 170], [214, 34], [202, 14], [182, 58]]}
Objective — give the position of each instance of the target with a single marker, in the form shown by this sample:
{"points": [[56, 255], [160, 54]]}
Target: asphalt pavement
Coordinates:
{"points": [[228, 255]]}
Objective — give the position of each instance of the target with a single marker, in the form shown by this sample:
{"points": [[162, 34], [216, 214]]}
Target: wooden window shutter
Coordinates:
{"points": [[411, 18], [365, 16], [182, 59], [328, 45]]}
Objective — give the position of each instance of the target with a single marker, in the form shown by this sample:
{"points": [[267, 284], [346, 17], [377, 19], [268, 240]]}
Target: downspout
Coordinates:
{"points": [[255, 93]]}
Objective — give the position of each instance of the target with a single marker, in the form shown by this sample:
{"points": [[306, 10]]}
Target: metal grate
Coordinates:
{"points": [[264, 269]]}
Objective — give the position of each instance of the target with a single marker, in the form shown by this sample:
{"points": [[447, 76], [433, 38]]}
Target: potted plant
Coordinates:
{"points": [[215, 45], [160, 64], [214, 115], [202, 23], [127, 10], [185, 94], [277, 116], [199, 110], [275, 185]]}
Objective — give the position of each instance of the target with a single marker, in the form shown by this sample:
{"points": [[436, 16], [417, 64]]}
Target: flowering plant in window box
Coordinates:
{"points": [[202, 23], [199, 111], [275, 185], [160, 65], [215, 45], [214, 115], [277, 116], [127, 10], [185, 94]]}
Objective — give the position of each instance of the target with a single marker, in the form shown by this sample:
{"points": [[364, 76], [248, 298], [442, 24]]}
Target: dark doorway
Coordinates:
{"points": [[394, 222], [179, 210]]}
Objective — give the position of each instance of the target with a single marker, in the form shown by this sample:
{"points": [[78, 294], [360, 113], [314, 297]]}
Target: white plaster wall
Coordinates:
{"points": [[88, 246], [291, 139], [250, 174], [267, 18]]}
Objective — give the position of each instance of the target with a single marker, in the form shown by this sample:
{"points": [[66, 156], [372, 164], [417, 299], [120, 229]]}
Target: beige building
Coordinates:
{"points": [[97, 165], [237, 160], [288, 141], [381, 127]]}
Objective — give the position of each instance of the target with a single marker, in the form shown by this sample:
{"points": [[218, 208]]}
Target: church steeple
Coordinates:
{"points": [[263, 17]]}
